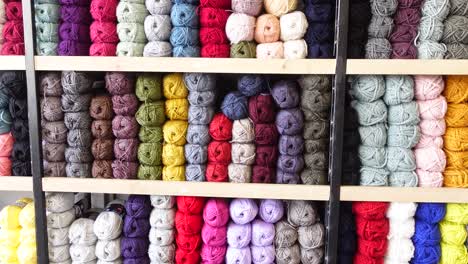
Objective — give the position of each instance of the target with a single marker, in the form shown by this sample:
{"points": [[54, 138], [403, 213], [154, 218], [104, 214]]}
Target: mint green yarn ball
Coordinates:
{"points": [[368, 88], [403, 114], [400, 159], [403, 179], [373, 157], [373, 176], [403, 136], [399, 89], [373, 136], [370, 113]]}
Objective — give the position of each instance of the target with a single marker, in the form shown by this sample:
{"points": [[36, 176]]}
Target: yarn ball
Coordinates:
{"points": [[293, 26], [280, 7], [251, 8], [243, 211], [267, 29], [240, 27], [399, 89], [235, 106]]}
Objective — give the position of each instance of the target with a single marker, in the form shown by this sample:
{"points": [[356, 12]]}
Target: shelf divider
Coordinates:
{"points": [[16, 183]]}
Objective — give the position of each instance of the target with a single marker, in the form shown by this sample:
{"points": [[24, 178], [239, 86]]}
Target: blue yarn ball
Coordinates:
{"points": [[184, 36], [426, 255], [184, 15], [322, 50], [430, 212], [192, 2], [426, 234], [235, 106], [186, 51], [251, 84]]}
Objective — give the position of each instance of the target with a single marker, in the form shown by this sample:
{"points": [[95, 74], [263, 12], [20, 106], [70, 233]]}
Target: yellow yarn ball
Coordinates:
{"points": [[457, 159], [175, 131], [9, 217], [173, 155], [22, 202], [26, 253], [457, 213], [452, 233], [455, 178], [456, 89], [174, 86], [173, 173], [177, 109], [10, 237], [453, 254], [26, 216], [8, 254], [456, 138], [280, 7], [28, 235], [457, 115]]}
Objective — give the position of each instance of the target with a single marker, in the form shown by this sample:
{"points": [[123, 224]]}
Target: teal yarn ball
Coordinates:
{"points": [[373, 176], [403, 179], [47, 13], [373, 157], [399, 89], [400, 159], [368, 88], [403, 136], [186, 51], [47, 32], [184, 36], [370, 113], [373, 136], [403, 114]]}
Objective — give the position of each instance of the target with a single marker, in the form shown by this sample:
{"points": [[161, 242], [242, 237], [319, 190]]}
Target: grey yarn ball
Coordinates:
{"points": [[368, 88], [373, 157], [200, 115], [403, 114], [288, 255], [455, 30], [373, 136], [312, 236], [200, 81], [76, 102], [301, 213], [79, 138], [312, 256], [316, 101], [380, 27], [457, 51], [435, 8], [315, 82], [316, 130], [78, 155], [157, 49], [78, 170], [403, 179], [76, 82], [198, 134], [158, 27], [196, 154], [403, 136], [400, 159], [430, 28], [131, 32], [383, 7], [77, 120], [431, 50], [286, 234], [315, 145], [195, 172], [314, 177], [316, 161], [399, 89], [459, 7], [373, 176], [378, 48], [205, 98], [370, 113]]}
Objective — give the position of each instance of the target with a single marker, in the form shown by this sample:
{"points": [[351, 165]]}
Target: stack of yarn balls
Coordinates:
{"points": [[175, 128], [136, 229], [240, 28], [315, 104], [130, 28], [10, 84], [103, 30], [54, 131], [213, 18], [430, 159], [321, 18], [47, 27], [201, 97], [12, 30], [293, 27], [162, 232], [157, 28], [74, 35], [427, 237], [60, 215], [76, 101], [239, 230], [108, 228], [359, 18], [124, 125], [219, 148], [431, 29], [405, 30], [150, 116], [289, 122], [188, 223], [184, 35], [21, 156], [455, 36], [82, 241], [372, 228], [453, 233], [378, 45], [456, 134], [214, 231], [17, 232], [401, 221]]}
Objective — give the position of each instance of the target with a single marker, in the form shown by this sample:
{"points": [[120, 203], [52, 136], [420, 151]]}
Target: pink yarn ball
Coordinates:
{"points": [[212, 255], [428, 87], [433, 128], [214, 236], [433, 108], [430, 159], [429, 141], [429, 179], [216, 212]]}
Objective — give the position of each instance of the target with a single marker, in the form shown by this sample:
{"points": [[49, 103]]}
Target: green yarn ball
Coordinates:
{"points": [[151, 134], [373, 157], [368, 88], [151, 114], [150, 154], [373, 176], [244, 49], [373, 136], [149, 87], [403, 114], [153, 173], [370, 113], [403, 136], [403, 179], [400, 159], [399, 89]]}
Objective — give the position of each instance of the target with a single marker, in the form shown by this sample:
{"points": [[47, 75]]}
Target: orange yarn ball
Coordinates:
{"points": [[456, 89], [267, 29], [457, 115], [456, 178], [456, 139]]}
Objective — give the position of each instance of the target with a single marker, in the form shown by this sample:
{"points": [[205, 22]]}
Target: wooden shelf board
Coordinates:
{"points": [[221, 65], [413, 67], [12, 63], [16, 183], [404, 194], [206, 189]]}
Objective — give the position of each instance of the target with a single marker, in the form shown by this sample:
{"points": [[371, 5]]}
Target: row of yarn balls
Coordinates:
{"points": [[165, 229], [285, 31]]}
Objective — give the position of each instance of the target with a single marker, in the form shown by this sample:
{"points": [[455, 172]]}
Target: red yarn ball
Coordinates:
{"points": [[13, 31], [372, 248], [221, 127], [102, 49], [216, 172], [219, 152], [188, 224], [213, 17], [266, 155], [262, 109], [188, 243], [363, 259], [370, 210], [14, 11], [13, 48], [190, 204], [266, 134], [216, 51], [261, 174], [103, 32], [223, 4], [372, 229], [209, 35], [184, 257]]}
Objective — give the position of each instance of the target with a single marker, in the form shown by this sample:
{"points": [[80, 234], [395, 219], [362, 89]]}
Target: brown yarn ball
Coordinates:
{"points": [[101, 107], [103, 149], [102, 169], [102, 129]]}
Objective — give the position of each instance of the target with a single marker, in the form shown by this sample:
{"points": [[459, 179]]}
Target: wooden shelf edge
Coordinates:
{"points": [[12, 63], [407, 67], [16, 183], [206, 189], [152, 64], [404, 194]]}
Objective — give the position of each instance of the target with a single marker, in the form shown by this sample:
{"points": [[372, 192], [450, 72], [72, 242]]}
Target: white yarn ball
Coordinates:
{"points": [[117, 261], [240, 27], [161, 254], [82, 253], [401, 228], [273, 50], [58, 236], [399, 250], [435, 8], [293, 26], [162, 201], [159, 7], [108, 250], [68, 261], [161, 237], [430, 29], [61, 220], [401, 211], [81, 232], [162, 218], [59, 253], [239, 173], [157, 49], [108, 225], [243, 131], [158, 27], [94, 261], [59, 202], [243, 153], [431, 50], [295, 49]]}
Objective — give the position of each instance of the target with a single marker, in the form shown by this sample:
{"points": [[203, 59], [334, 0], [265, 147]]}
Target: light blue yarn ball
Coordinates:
{"points": [[400, 159], [184, 15], [186, 51], [368, 88], [403, 179], [403, 136], [403, 114], [399, 89], [373, 177], [184, 36], [373, 157], [373, 136], [370, 113]]}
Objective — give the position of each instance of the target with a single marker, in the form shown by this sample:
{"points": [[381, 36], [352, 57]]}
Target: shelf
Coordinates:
{"points": [[12, 63], [206, 189], [405, 67], [16, 183], [146, 64], [404, 194]]}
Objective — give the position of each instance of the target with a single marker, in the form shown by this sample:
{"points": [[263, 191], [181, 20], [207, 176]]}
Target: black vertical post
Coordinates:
{"points": [[336, 130], [34, 134]]}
